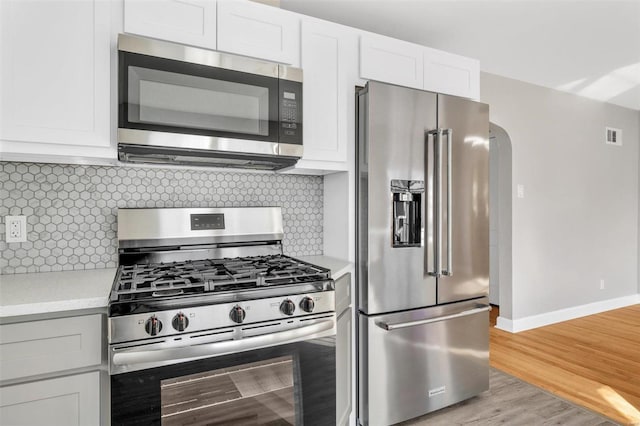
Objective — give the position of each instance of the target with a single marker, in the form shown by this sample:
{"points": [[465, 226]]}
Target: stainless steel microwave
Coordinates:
{"points": [[185, 105]]}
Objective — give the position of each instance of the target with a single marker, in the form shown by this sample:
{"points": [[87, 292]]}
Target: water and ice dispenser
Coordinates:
{"points": [[407, 212]]}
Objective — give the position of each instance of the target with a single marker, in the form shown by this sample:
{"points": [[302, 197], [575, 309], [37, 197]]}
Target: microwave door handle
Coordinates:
{"points": [[136, 356], [449, 265]]}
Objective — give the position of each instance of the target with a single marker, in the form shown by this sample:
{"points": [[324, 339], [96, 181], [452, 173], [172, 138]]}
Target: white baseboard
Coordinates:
{"points": [[535, 321]]}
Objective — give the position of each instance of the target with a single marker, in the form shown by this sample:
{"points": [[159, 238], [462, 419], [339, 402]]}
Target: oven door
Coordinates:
{"points": [[271, 380]]}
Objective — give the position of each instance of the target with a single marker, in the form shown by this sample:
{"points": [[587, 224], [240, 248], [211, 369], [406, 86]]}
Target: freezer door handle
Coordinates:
{"points": [[449, 270], [390, 327]]}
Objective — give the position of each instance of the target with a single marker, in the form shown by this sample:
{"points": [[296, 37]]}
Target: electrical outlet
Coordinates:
{"points": [[16, 229], [601, 284]]}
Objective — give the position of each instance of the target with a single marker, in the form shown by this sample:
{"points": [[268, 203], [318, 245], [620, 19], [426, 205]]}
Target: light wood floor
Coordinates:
{"points": [[592, 361]]}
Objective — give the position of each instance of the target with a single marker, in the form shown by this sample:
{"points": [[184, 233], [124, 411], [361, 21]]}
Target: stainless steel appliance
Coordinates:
{"points": [[186, 105], [209, 323], [422, 252]]}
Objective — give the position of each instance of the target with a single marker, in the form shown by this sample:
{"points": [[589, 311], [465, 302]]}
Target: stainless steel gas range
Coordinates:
{"points": [[209, 323]]}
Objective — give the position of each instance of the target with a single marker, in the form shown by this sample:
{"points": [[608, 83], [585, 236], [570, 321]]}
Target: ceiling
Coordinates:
{"points": [[588, 47]]}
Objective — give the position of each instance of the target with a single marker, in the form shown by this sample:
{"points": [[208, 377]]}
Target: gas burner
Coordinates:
{"points": [[141, 281]]}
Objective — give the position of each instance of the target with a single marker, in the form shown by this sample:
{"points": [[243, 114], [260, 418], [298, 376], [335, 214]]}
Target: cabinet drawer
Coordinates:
{"points": [[40, 347]]}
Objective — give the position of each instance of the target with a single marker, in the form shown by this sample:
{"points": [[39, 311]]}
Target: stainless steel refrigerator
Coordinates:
{"points": [[422, 252]]}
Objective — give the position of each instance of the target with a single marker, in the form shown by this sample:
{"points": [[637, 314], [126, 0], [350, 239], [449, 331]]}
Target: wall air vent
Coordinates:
{"points": [[613, 136]]}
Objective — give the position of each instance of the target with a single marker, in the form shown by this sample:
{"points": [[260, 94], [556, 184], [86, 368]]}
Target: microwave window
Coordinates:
{"points": [[188, 101], [257, 393]]}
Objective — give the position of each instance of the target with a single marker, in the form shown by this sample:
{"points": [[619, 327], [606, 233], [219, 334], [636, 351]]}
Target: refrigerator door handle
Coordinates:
{"points": [[449, 265], [390, 327], [436, 183], [438, 203]]}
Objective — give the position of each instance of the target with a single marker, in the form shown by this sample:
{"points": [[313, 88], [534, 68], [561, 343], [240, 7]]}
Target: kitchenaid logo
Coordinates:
{"points": [[437, 391]]}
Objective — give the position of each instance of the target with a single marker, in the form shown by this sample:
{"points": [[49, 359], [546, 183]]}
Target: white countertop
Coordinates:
{"points": [[337, 266], [46, 292]]}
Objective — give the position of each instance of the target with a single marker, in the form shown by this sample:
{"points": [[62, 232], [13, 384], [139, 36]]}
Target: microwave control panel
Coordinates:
{"points": [[290, 112]]}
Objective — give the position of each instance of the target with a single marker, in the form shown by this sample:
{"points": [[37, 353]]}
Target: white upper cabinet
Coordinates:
{"points": [[411, 65], [190, 22], [265, 32], [55, 78], [451, 74], [390, 60], [329, 64]]}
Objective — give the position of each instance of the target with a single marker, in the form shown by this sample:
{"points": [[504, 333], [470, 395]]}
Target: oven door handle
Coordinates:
{"points": [[135, 356]]}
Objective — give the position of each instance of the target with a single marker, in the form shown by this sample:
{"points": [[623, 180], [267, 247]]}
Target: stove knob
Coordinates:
{"points": [[237, 314], [153, 326], [287, 307], [307, 304], [180, 321]]}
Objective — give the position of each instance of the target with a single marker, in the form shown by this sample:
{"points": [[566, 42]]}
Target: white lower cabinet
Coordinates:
{"points": [[50, 371], [65, 401], [55, 79]]}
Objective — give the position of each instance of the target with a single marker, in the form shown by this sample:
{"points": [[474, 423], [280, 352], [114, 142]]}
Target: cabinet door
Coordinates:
{"points": [[451, 74], [260, 31], [66, 401], [55, 77], [391, 61], [185, 21], [329, 63], [343, 368]]}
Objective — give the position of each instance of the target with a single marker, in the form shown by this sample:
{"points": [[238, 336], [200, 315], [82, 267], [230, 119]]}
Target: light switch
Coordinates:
{"points": [[520, 190]]}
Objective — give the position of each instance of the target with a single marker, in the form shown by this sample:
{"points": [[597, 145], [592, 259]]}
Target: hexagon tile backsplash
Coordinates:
{"points": [[71, 210]]}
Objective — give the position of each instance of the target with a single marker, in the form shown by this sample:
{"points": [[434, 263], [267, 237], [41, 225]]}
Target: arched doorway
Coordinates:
{"points": [[500, 193]]}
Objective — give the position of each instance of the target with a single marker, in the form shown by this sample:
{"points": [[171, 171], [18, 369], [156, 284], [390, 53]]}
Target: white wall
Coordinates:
{"points": [[578, 221]]}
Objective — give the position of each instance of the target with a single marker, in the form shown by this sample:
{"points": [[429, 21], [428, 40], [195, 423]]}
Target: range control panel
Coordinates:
{"points": [[200, 318]]}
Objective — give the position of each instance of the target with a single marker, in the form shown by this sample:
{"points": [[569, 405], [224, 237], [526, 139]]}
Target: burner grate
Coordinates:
{"points": [[212, 275]]}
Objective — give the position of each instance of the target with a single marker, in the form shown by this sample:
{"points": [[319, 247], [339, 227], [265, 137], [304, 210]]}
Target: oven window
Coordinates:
{"points": [[188, 101], [256, 393], [291, 384]]}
